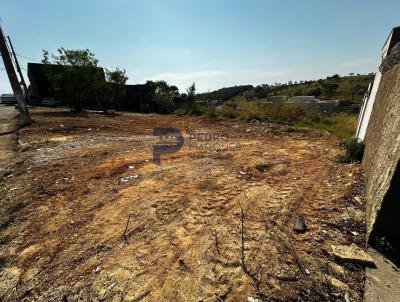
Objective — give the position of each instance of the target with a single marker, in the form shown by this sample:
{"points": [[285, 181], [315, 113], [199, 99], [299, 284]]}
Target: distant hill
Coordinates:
{"points": [[349, 88], [224, 94]]}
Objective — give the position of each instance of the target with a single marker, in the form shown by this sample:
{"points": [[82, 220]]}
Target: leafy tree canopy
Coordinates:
{"points": [[164, 95]]}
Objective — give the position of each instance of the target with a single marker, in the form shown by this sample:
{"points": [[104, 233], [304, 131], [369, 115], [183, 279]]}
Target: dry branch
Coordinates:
{"points": [[242, 238], [253, 276], [126, 228], [216, 241]]}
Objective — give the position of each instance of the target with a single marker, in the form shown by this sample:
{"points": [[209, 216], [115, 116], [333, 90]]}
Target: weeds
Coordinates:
{"points": [[5, 222], [7, 215], [208, 110], [343, 125], [2, 262], [247, 111], [4, 239], [354, 151], [15, 207]]}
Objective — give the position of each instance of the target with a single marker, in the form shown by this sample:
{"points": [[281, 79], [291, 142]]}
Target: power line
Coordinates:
{"points": [[28, 58], [22, 80]]}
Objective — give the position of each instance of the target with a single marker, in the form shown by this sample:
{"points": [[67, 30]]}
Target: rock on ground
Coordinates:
{"points": [[351, 253]]}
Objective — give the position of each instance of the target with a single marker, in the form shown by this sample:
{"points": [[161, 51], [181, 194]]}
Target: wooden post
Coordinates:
{"points": [[12, 76], [21, 76]]}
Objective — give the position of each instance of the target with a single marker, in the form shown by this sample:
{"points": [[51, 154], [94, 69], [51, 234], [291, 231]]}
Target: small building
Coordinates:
{"points": [[278, 99], [302, 99], [40, 87], [313, 104], [327, 106], [39, 82], [138, 98]]}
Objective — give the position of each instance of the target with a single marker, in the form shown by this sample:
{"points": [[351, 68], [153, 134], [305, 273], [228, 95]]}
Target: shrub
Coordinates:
{"points": [[3, 261], [343, 125], [354, 151], [229, 112], [248, 111], [165, 105], [15, 207], [285, 113], [180, 111], [208, 110], [4, 239]]}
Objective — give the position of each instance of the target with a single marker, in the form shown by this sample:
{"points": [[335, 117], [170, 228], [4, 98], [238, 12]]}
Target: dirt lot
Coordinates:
{"points": [[75, 179]]}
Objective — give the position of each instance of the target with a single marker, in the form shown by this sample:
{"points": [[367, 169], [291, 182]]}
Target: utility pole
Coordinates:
{"points": [[12, 76], [21, 76]]}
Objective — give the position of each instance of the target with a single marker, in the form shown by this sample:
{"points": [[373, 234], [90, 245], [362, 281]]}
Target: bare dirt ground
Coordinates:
{"points": [[75, 179], [8, 123]]}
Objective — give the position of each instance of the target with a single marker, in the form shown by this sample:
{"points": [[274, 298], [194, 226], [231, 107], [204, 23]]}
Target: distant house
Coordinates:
{"points": [[278, 99], [327, 106], [311, 103], [302, 99]]}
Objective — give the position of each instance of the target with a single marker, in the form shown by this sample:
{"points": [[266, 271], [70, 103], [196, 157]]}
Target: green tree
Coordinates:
{"points": [[333, 77], [111, 92], [313, 91], [164, 96], [191, 99], [329, 89], [74, 76], [356, 89]]}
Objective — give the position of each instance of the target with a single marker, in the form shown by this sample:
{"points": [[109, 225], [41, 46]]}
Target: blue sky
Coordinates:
{"points": [[215, 43]]}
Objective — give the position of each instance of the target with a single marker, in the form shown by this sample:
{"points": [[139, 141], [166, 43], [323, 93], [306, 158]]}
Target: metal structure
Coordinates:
{"points": [[12, 76], [21, 76]]}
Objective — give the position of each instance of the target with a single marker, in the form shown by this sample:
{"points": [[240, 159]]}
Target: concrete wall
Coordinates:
{"points": [[302, 99], [382, 144], [278, 99], [369, 101]]}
